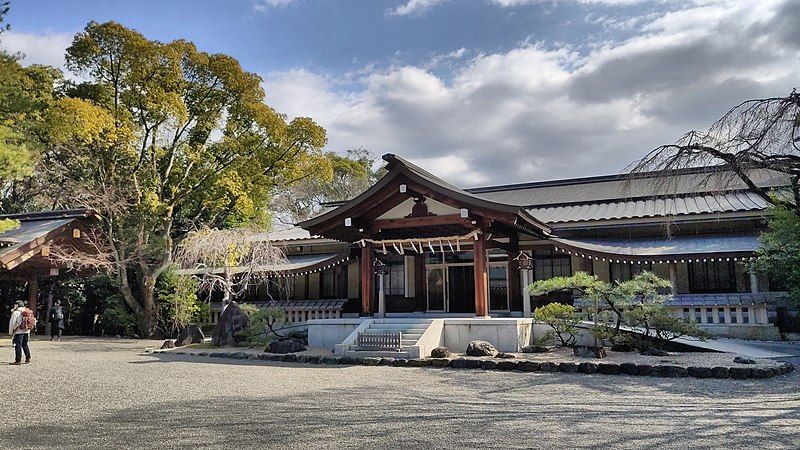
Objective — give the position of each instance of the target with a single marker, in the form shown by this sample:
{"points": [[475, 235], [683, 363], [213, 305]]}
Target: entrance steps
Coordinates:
{"points": [[411, 329]]}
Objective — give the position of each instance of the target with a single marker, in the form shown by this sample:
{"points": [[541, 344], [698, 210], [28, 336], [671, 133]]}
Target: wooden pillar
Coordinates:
{"points": [[367, 279], [33, 294], [340, 273], [514, 284], [481, 277]]}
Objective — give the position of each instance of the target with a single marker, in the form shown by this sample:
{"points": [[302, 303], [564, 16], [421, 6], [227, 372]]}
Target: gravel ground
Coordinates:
{"points": [[104, 393], [683, 359]]}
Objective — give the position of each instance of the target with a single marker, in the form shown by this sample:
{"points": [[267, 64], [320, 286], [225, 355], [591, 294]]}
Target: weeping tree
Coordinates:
{"points": [[753, 137], [756, 141], [228, 261], [231, 261]]}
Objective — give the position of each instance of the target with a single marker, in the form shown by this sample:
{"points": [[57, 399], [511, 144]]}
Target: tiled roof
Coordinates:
{"points": [[660, 207], [659, 247], [619, 187]]}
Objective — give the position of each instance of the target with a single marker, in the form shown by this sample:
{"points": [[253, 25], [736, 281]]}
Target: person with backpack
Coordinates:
{"points": [[19, 327], [56, 321]]}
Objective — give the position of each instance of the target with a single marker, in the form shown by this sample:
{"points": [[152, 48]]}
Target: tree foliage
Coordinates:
{"points": [[636, 303], [562, 319], [163, 139], [778, 255], [342, 177]]}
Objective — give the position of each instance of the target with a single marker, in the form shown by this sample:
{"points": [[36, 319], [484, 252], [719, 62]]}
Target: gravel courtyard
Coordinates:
{"points": [[104, 393]]}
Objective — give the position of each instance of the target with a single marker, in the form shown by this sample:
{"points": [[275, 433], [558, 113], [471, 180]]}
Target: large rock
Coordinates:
{"points": [[589, 351], [231, 322], [440, 352], [740, 360], [481, 348], [191, 335], [289, 345], [169, 343]]}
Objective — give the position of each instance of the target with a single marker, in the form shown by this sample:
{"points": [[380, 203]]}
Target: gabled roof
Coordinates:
{"points": [[399, 169], [35, 231]]}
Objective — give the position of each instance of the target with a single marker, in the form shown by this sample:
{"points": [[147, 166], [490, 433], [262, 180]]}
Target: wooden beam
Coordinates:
{"points": [[412, 222], [367, 279], [481, 277]]}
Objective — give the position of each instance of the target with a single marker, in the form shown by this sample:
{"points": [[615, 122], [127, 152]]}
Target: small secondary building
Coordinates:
{"points": [[443, 251], [25, 250]]}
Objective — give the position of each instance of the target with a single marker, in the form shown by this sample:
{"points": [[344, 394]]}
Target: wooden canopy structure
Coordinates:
{"points": [[25, 250], [410, 209]]}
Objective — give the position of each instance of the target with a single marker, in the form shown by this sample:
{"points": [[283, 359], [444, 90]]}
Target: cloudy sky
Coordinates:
{"points": [[477, 91]]}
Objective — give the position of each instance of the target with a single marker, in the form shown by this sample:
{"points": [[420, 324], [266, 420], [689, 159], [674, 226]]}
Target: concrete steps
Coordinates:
{"points": [[411, 330]]}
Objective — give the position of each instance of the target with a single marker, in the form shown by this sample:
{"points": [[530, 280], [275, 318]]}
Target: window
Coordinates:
{"points": [[395, 283], [709, 315], [720, 315], [712, 276], [498, 288], [745, 315], [621, 272], [549, 266], [697, 315], [687, 314], [327, 284], [735, 316]]}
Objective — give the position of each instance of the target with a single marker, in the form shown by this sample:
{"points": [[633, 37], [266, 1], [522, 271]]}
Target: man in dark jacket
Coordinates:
{"points": [[56, 321]]}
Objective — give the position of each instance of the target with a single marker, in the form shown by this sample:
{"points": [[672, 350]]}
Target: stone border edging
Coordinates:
{"points": [[669, 371]]}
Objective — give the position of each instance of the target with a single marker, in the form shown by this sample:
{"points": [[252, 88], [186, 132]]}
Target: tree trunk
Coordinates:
{"points": [[148, 319]]}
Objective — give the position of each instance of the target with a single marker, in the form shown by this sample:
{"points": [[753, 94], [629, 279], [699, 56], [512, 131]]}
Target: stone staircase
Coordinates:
{"points": [[411, 330]]}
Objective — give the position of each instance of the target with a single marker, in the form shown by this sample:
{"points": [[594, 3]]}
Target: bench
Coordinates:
{"points": [[380, 341]]}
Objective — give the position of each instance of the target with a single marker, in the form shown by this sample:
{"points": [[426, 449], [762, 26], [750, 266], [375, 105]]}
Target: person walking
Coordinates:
{"points": [[19, 327], [56, 321]]}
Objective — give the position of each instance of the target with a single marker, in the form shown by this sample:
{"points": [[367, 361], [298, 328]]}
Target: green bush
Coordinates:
{"points": [[562, 319], [261, 328], [179, 306]]}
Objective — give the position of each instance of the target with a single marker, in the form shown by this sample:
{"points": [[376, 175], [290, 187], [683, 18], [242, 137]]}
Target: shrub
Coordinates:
{"points": [[260, 330], [562, 319], [177, 297]]}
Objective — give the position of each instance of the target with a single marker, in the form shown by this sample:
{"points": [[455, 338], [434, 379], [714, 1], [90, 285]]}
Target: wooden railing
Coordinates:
{"points": [[380, 341], [296, 311]]}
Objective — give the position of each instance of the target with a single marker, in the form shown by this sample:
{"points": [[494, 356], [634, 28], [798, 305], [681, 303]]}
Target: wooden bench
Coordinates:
{"points": [[380, 341]]}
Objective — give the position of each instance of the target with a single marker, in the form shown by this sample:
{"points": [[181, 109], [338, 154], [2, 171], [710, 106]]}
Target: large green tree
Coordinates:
{"points": [[25, 93], [161, 140], [351, 173]]}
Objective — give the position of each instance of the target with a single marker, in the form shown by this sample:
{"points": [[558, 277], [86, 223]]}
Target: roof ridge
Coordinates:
{"points": [[586, 180], [46, 215], [606, 201]]}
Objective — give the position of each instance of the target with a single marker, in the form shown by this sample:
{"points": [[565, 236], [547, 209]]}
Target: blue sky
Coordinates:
{"points": [[478, 91]]}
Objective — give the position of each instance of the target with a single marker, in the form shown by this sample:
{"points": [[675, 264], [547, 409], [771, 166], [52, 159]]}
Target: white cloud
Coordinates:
{"points": [[45, 49], [413, 7], [264, 5], [538, 113]]}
